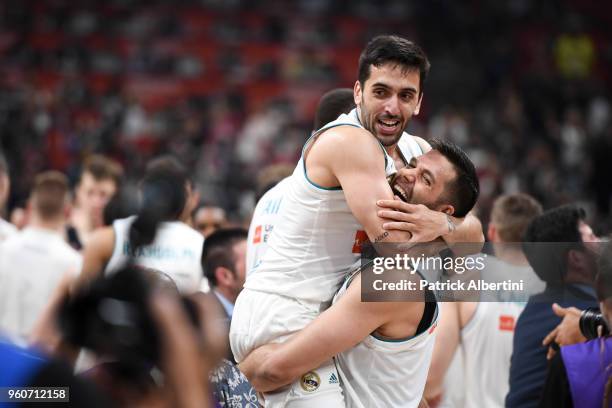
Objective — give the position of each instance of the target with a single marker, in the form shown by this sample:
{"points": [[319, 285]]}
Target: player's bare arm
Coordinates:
{"points": [[352, 158], [447, 341], [339, 328], [96, 254]]}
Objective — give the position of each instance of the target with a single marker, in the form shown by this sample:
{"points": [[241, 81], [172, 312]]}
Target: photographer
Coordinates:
{"points": [[581, 373]]}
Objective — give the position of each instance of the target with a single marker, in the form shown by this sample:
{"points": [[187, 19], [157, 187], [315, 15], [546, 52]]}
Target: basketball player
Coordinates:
{"points": [[385, 347], [100, 178], [35, 260], [176, 248], [482, 332], [330, 203]]}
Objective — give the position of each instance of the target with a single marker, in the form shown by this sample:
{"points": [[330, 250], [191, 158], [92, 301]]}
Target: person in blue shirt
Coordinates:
{"points": [[562, 250]]}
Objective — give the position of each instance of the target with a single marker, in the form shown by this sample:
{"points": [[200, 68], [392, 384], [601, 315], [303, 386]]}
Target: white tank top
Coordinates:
{"points": [[316, 237], [176, 251], [386, 373], [262, 224], [486, 344], [32, 264]]}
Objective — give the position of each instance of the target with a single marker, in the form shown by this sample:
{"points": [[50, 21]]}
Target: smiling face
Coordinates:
{"points": [[424, 181], [388, 100]]}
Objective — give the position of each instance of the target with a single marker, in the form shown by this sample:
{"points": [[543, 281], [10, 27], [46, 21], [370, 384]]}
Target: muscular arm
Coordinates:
{"points": [[274, 365], [96, 254], [447, 341], [353, 158]]}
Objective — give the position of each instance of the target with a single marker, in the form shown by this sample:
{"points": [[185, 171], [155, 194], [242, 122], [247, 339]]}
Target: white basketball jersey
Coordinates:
{"points": [[386, 373], [262, 224], [176, 251], [32, 264], [486, 344], [316, 238]]}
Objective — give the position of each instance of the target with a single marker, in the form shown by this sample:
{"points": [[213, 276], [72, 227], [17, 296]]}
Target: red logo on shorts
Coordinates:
{"points": [[506, 323], [360, 238], [257, 236]]}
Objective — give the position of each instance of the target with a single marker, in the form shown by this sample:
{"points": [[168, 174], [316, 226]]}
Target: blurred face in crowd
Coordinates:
{"points": [[209, 219], [388, 100], [93, 195], [424, 180]]}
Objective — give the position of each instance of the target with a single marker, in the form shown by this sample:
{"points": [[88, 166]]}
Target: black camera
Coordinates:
{"points": [[112, 317], [590, 320]]}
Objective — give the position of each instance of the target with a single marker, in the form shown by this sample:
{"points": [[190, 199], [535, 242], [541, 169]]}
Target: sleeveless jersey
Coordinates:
{"points": [[316, 238], [486, 344], [262, 224], [176, 251], [386, 373]]}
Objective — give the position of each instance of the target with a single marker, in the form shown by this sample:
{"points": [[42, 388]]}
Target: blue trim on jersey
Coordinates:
{"points": [[317, 133]]}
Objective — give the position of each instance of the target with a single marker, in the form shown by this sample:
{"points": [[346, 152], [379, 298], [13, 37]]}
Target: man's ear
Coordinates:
{"points": [[447, 209], [223, 275], [578, 260], [357, 93], [492, 232]]}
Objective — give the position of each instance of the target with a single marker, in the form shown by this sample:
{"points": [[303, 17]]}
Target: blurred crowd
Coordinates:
{"points": [[230, 86], [136, 293]]}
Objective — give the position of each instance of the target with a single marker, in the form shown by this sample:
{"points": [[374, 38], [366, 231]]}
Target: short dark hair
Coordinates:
{"points": [[332, 104], [102, 168], [50, 194], [218, 251], [558, 225], [393, 49], [463, 191]]}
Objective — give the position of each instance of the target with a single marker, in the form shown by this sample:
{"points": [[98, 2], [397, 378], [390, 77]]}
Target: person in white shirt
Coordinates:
{"points": [[36, 259], [99, 181], [482, 332], [6, 228], [158, 237]]}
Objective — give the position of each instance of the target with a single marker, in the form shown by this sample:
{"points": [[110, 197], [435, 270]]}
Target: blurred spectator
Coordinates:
{"points": [[559, 248], [175, 249], [35, 260], [574, 51], [6, 228], [100, 178], [208, 219], [223, 262], [579, 375]]}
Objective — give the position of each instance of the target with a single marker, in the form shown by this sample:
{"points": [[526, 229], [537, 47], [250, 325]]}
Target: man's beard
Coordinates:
{"points": [[371, 127]]}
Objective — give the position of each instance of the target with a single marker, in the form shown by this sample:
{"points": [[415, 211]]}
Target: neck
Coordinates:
{"points": [[227, 293], [55, 225], [510, 254]]}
